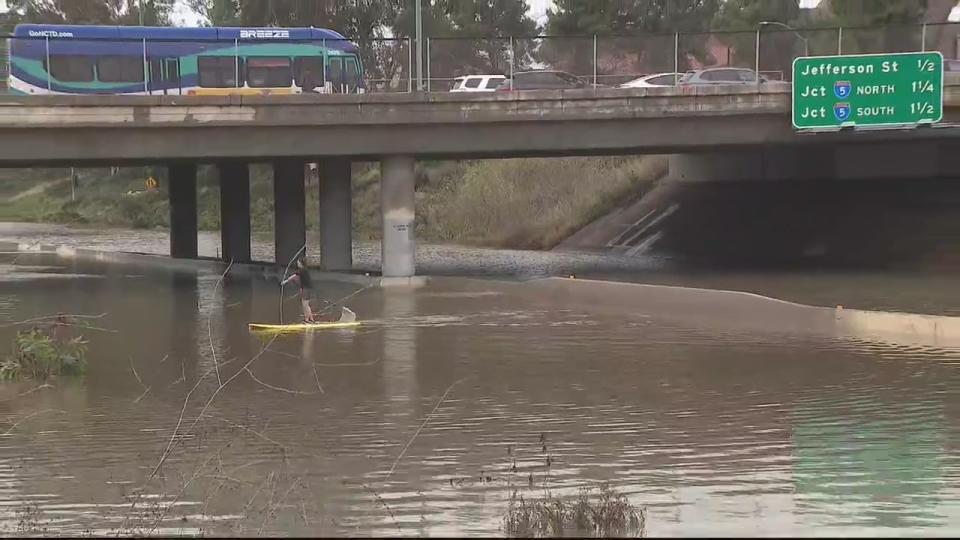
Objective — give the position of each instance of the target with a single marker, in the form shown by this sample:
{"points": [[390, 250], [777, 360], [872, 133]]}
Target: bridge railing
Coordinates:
{"points": [[390, 64]]}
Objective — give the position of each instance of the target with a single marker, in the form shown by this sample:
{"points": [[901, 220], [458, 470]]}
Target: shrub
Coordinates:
{"points": [[531, 203], [39, 357], [609, 514]]}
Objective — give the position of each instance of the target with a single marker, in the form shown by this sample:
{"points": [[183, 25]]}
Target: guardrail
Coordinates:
{"points": [[389, 63]]}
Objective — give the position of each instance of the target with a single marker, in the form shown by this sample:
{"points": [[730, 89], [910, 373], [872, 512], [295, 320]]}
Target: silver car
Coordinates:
{"points": [[726, 76], [654, 80], [477, 83]]}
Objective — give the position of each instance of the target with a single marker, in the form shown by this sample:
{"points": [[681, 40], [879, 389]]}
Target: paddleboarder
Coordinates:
{"points": [[303, 279]]}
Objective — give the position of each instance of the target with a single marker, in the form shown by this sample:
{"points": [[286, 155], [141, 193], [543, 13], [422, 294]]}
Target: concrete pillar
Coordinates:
{"points": [[336, 215], [235, 211], [183, 210], [290, 223], [398, 247]]}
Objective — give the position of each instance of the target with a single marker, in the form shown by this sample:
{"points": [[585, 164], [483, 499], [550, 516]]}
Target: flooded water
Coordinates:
{"points": [[933, 292], [449, 397]]}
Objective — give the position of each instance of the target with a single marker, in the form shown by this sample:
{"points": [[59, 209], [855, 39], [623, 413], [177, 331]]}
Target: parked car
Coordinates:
{"points": [[653, 80], [477, 83], [544, 80], [726, 76]]}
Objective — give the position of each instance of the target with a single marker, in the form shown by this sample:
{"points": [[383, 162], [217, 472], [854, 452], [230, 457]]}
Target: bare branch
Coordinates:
{"points": [[248, 430], [272, 506], [28, 392], [31, 415], [46, 318], [41, 387], [340, 301], [146, 390], [384, 504], [213, 351], [419, 429], [354, 364], [166, 452], [277, 388], [316, 377], [185, 484], [320, 364]]}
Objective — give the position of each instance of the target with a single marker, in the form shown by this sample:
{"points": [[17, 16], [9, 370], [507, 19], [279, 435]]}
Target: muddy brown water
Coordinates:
{"points": [[413, 423]]}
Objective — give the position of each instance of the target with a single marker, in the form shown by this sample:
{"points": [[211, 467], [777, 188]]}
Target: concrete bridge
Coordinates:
{"points": [[717, 133]]}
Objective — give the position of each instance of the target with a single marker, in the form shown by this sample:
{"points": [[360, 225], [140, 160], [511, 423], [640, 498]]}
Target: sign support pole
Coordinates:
{"points": [[756, 60]]}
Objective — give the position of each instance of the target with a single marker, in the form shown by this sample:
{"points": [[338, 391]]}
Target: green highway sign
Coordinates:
{"points": [[867, 90]]}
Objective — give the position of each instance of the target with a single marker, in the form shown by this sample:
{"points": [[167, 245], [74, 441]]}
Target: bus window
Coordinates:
{"points": [[352, 75], [268, 72], [164, 71], [120, 69], [336, 73], [156, 70], [217, 71], [173, 70], [71, 68], [308, 65]]}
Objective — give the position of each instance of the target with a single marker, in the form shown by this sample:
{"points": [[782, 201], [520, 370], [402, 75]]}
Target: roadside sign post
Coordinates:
{"points": [[868, 90]]}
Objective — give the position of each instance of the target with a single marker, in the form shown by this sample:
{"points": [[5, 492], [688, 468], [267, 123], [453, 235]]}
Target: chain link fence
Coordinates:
{"points": [[389, 65]]}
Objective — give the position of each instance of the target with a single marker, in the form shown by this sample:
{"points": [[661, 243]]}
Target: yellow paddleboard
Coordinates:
{"points": [[301, 327]]}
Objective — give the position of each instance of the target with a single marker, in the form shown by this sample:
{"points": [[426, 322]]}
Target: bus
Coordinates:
{"points": [[136, 60]]}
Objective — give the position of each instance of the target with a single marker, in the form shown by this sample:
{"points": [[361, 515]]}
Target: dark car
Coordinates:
{"points": [[544, 80]]}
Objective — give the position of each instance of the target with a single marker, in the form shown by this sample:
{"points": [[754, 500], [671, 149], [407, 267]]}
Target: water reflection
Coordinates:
{"points": [[400, 347], [184, 348], [857, 454]]}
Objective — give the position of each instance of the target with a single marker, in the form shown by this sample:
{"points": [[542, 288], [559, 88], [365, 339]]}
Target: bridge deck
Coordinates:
{"points": [[38, 130]]}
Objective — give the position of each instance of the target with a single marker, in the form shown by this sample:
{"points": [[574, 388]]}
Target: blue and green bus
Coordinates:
{"points": [[67, 59]]}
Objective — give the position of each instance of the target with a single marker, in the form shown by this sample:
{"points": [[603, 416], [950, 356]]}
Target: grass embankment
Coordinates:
{"points": [[516, 203]]}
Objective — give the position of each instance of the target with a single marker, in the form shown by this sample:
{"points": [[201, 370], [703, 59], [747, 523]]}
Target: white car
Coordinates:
{"points": [[477, 83], [656, 79]]}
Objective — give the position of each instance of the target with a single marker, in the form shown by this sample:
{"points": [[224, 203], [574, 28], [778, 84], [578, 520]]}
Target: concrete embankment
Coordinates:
{"points": [[160, 263], [744, 313]]}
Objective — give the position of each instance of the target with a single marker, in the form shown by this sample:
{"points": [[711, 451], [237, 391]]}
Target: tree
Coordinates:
{"points": [[498, 19], [942, 37], [121, 12], [629, 17], [778, 45], [155, 12], [870, 13], [217, 12], [894, 24], [66, 11]]}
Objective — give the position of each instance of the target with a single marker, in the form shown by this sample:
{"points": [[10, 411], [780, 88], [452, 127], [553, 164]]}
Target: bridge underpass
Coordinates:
{"points": [[717, 133], [871, 205]]}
